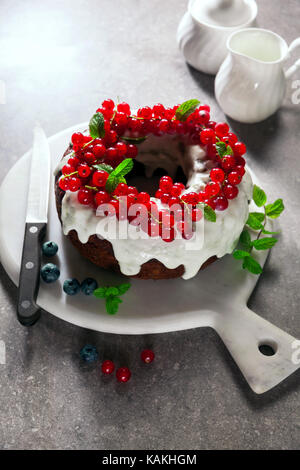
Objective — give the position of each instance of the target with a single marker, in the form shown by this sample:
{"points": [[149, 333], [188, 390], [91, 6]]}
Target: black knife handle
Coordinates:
{"points": [[28, 311]]}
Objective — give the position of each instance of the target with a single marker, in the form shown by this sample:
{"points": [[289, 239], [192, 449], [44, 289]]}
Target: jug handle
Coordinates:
{"points": [[296, 65]]}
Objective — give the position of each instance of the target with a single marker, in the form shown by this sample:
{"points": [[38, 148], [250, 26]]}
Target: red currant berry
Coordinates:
{"points": [[210, 202], [166, 184], [221, 129], [202, 196], [203, 117], [177, 189], [221, 203], [121, 119], [67, 169], [211, 151], [212, 189], [132, 190], [121, 148], [230, 191], [121, 189], [217, 175], [77, 138], [111, 153], [74, 162], [228, 162], [204, 107], [163, 126], [207, 136], [85, 196], [107, 367], [153, 228], [196, 215], [74, 184], [159, 193], [64, 184], [158, 110], [145, 112], [114, 207], [174, 200], [89, 157], [124, 108], [132, 151], [240, 161], [234, 178], [241, 170], [99, 178], [239, 148], [123, 374], [108, 104], [166, 218], [232, 138], [143, 198], [101, 197], [111, 137], [84, 170], [165, 198], [99, 150], [147, 356]]}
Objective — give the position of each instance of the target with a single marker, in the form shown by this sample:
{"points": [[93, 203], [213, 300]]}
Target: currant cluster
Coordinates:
{"points": [[80, 174]]}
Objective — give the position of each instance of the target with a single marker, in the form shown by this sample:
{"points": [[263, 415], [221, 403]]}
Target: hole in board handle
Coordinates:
{"points": [[268, 347]]}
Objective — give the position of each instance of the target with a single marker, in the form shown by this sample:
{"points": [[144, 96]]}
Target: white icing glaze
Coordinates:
{"points": [[214, 239]]}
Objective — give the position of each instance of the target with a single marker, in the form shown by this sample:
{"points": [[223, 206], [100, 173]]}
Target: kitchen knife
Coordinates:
{"points": [[35, 227]]}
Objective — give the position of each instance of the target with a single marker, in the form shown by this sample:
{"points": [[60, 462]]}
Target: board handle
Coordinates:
{"points": [[27, 310], [265, 354]]}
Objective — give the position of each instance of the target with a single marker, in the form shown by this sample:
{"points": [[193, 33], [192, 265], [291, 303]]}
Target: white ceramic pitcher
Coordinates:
{"points": [[251, 83], [206, 26]]}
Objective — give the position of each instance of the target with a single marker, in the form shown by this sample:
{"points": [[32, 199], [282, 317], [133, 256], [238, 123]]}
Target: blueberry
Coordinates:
{"points": [[50, 273], [71, 286], [89, 285], [49, 249], [89, 353]]}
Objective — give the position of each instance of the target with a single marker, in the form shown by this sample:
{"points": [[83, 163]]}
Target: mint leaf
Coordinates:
{"points": [[240, 254], [96, 125], [245, 239], [259, 216], [274, 210], [186, 108], [112, 304], [223, 149], [124, 167], [254, 222], [264, 243], [259, 196], [100, 293], [252, 265], [266, 232], [209, 213], [122, 288], [104, 167], [111, 183], [133, 140], [111, 291]]}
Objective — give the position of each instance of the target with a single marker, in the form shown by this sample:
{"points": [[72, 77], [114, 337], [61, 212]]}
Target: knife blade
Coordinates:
{"points": [[35, 227]]}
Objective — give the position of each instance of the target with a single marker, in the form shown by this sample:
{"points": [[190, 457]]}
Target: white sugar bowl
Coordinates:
{"points": [[204, 29]]}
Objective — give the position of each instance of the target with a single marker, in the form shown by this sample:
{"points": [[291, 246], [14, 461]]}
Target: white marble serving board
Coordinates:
{"points": [[216, 297]]}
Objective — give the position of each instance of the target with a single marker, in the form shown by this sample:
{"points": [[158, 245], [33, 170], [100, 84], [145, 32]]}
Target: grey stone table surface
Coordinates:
{"points": [[58, 60]]}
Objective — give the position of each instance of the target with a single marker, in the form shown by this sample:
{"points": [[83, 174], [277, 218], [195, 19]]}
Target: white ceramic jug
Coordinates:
{"points": [[251, 83], [206, 26]]}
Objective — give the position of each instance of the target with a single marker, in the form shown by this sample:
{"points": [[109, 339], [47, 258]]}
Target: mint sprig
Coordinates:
{"points": [[133, 140], [112, 296], [209, 213], [257, 221], [117, 175], [185, 109], [104, 167], [96, 126]]}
